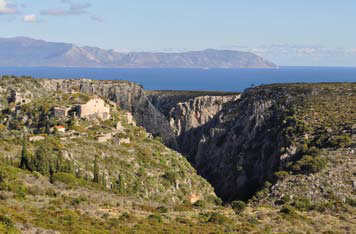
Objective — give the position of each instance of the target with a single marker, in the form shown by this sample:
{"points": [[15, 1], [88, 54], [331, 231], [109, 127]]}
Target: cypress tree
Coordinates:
{"points": [[41, 163], [51, 174], [59, 163], [24, 163], [103, 179], [96, 170], [119, 184]]}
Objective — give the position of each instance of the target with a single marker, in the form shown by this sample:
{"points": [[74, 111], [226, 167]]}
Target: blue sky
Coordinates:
{"points": [[193, 24]]}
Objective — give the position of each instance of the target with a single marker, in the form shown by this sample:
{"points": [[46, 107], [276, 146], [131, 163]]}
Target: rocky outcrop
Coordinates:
{"points": [[94, 108], [239, 148], [187, 111]]}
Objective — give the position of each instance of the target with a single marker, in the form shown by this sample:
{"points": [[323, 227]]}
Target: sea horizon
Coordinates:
{"points": [[212, 79]]}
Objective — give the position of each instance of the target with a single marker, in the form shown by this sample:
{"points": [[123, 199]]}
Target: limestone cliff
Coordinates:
{"points": [[269, 129], [186, 111]]}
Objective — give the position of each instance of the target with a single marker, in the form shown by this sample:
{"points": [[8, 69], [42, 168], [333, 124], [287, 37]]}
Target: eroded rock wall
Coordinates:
{"points": [[233, 141]]}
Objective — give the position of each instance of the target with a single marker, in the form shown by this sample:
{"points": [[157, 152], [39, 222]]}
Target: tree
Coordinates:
{"points": [[41, 162], [51, 174], [103, 179], [59, 162], [24, 163], [96, 170], [119, 184]]}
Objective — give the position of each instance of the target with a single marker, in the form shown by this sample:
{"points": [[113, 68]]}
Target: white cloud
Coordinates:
{"points": [[96, 18], [7, 8], [30, 18], [73, 9]]}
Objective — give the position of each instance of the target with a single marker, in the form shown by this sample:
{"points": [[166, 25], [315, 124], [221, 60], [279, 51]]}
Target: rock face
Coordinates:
{"points": [[267, 129], [95, 108], [239, 148], [232, 140], [189, 111], [196, 112]]}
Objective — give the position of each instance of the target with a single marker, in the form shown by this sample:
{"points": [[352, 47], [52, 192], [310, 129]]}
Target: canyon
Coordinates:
{"points": [[98, 149], [237, 141]]}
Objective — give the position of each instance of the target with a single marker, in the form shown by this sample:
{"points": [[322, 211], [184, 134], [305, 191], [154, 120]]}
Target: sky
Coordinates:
{"points": [[181, 24]]}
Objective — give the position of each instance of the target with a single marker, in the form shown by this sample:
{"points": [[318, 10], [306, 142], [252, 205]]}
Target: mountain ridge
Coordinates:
{"points": [[28, 52]]}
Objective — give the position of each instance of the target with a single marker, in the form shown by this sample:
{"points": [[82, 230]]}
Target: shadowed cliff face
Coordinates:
{"points": [[239, 148], [233, 141], [239, 142]]}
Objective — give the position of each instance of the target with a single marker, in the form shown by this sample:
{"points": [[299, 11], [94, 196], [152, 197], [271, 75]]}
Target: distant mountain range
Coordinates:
{"points": [[302, 55], [27, 52]]}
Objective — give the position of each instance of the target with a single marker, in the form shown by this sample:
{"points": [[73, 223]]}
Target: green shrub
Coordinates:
{"points": [[155, 217], [351, 202], [303, 204], [238, 206], [6, 221], [309, 164], [66, 178], [340, 141], [288, 210], [199, 203], [162, 209], [217, 218], [215, 200], [170, 176], [51, 192], [281, 175]]}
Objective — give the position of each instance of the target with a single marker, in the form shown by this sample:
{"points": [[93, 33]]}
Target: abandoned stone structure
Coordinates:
{"points": [[95, 108], [60, 112], [19, 98]]}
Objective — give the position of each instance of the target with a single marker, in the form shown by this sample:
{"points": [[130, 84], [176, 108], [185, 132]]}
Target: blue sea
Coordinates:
{"points": [[195, 79]]}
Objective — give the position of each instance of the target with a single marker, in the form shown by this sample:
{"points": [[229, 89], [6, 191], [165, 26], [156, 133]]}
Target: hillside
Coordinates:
{"points": [[27, 52], [87, 164], [85, 156]]}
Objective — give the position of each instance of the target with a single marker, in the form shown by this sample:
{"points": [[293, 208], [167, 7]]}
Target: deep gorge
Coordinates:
{"points": [[237, 141]]}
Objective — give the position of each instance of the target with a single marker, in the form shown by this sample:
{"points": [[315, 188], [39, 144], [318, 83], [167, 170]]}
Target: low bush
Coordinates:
{"points": [[67, 178], [200, 204], [309, 164], [281, 175], [162, 209], [238, 206], [155, 217], [6, 221], [351, 202], [303, 204], [288, 210], [340, 141], [217, 218]]}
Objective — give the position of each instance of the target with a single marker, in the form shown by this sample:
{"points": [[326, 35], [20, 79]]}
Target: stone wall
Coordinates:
{"points": [[95, 108]]}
